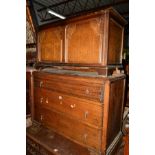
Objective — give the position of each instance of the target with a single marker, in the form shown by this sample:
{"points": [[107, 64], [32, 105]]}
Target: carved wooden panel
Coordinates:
{"points": [[83, 41], [115, 42], [50, 44]]}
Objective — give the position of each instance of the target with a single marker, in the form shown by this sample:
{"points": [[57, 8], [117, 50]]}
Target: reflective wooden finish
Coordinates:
{"points": [[85, 109], [92, 39]]}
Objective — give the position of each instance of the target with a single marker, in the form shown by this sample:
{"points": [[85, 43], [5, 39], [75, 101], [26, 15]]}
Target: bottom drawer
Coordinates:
{"points": [[68, 127]]}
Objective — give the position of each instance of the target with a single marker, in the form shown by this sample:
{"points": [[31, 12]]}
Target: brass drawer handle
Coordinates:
{"points": [[41, 117], [85, 137], [60, 97], [41, 100], [47, 100], [86, 114], [72, 106], [41, 83], [87, 91]]}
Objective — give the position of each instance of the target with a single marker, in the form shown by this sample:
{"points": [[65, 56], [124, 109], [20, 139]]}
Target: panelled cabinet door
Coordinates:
{"points": [[83, 41], [50, 44]]}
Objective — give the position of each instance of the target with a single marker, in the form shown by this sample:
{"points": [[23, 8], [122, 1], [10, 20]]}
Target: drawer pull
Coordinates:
{"points": [[41, 117], [72, 106], [47, 100], [87, 91], [41, 83], [85, 137], [60, 97], [41, 100], [55, 150], [86, 114]]}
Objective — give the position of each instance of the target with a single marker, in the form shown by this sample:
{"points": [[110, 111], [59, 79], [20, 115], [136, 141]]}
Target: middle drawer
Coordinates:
{"points": [[85, 110]]}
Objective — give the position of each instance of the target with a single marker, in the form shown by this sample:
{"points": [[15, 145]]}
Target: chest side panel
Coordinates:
{"points": [[116, 101], [115, 44]]}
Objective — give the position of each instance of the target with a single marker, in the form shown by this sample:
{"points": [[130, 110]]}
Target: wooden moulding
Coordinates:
{"points": [[28, 92], [30, 77], [95, 39], [101, 70]]}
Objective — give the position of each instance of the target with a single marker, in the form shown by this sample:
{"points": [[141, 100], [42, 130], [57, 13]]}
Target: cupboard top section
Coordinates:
{"points": [[92, 39]]}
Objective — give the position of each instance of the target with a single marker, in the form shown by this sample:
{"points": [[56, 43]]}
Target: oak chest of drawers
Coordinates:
{"points": [[85, 108], [76, 93]]}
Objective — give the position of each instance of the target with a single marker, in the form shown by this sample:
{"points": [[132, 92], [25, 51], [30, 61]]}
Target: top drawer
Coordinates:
{"points": [[81, 87]]}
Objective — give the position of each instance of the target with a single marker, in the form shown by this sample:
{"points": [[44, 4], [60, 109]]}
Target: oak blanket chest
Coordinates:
{"points": [[83, 107], [94, 40]]}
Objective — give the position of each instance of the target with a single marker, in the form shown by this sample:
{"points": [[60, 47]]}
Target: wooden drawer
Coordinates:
{"points": [[54, 142], [81, 109], [70, 85], [70, 128]]}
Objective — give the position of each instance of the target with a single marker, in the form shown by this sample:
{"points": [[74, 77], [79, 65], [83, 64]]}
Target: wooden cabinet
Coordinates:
{"points": [[78, 90], [85, 109], [95, 39]]}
